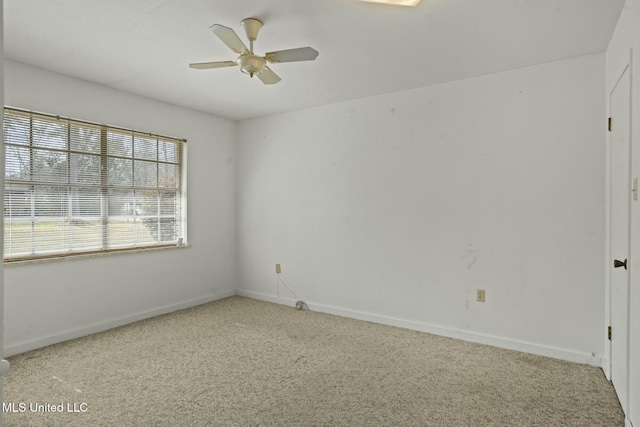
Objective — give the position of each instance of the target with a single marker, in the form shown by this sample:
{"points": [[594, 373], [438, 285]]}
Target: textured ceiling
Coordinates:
{"points": [[145, 46]]}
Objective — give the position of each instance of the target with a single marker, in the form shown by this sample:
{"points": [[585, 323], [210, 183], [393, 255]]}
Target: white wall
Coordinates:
{"points": [[625, 38], [53, 301], [397, 208]]}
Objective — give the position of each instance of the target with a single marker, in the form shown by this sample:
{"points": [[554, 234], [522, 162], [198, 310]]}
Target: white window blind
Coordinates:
{"points": [[74, 187]]}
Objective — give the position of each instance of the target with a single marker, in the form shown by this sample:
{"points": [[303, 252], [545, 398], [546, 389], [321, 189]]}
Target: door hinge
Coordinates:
{"points": [[609, 333], [609, 124]]}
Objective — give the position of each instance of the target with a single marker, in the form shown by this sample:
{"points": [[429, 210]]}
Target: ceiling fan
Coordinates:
{"points": [[249, 62]]}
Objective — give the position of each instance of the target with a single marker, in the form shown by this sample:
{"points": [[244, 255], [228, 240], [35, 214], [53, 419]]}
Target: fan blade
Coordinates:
{"points": [[291, 55], [268, 77], [230, 38], [207, 65]]}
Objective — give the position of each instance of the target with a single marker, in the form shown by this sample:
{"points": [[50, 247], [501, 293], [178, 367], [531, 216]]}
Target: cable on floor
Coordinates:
{"points": [[300, 305]]}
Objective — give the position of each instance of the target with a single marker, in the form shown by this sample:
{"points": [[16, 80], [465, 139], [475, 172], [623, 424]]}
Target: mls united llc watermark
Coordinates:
{"points": [[21, 407]]}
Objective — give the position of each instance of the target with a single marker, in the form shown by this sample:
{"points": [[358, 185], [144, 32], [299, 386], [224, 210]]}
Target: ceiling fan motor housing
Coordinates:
{"points": [[251, 64]]}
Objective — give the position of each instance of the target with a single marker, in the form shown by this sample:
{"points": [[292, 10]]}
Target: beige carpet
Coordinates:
{"points": [[249, 363]]}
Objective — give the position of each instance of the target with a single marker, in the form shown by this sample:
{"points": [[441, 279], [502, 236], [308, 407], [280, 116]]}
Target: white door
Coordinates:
{"points": [[620, 216]]}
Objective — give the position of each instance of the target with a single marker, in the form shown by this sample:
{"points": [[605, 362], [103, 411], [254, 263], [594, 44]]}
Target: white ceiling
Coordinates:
{"points": [[145, 46]]}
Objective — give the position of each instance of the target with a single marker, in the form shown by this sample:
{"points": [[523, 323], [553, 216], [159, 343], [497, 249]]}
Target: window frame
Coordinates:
{"points": [[173, 189]]}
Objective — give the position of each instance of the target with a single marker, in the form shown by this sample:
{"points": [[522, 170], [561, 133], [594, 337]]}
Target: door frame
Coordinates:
{"points": [[608, 359]]}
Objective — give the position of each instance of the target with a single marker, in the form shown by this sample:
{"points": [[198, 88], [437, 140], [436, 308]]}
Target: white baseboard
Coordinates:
{"points": [[606, 367], [13, 349], [264, 297], [506, 343]]}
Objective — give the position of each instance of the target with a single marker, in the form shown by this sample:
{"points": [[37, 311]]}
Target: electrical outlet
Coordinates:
{"points": [[278, 268], [480, 294]]}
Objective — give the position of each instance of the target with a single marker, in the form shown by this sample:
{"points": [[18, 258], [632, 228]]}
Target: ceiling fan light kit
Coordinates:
{"points": [[249, 62], [395, 2]]}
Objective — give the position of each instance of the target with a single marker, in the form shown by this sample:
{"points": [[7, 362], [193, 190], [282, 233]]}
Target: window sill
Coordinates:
{"points": [[8, 263]]}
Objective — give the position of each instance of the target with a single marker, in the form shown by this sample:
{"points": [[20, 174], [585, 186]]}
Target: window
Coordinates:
{"points": [[75, 187]]}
